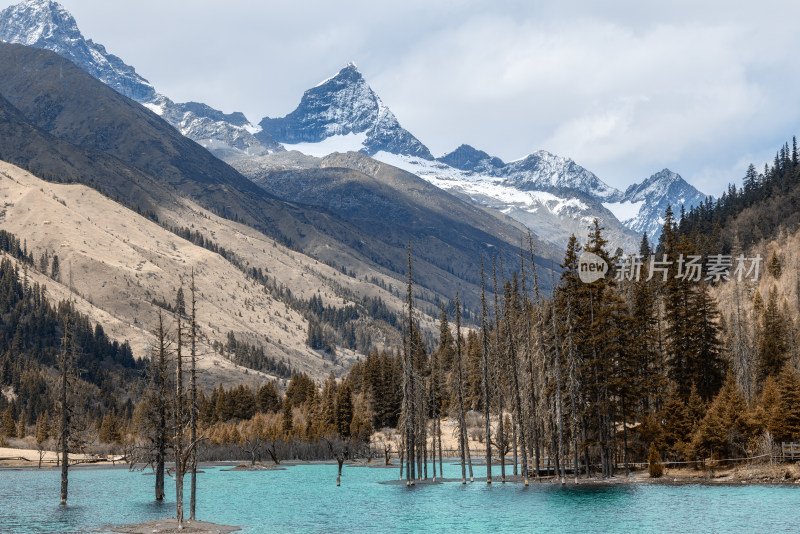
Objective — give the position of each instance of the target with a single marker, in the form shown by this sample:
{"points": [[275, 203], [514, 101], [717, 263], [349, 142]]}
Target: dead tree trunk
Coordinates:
{"points": [[462, 430], [538, 334], [179, 412], [559, 411], [409, 412], [469, 459], [519, 419], [161, 407], [514, 438], [573, 385], [193, 403], [499, 368], [422, 425], [387, 451], [433, 447], [485, 371], [402, 453], [67, 352]]}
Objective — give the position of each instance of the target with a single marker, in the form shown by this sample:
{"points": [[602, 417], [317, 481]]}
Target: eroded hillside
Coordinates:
{"points": [[122, 267]]}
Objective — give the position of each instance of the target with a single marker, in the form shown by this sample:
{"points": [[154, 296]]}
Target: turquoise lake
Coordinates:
{"points": [[304, 498]]}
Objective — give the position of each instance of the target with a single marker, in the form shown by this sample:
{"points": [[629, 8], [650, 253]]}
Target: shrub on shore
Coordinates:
{"points": [[655, 467]]}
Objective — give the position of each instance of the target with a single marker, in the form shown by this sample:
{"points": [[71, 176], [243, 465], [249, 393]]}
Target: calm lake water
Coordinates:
{"points": [[305, 498]]}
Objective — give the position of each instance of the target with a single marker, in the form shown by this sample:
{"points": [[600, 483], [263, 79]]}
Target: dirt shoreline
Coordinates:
{"points": [[170, 525], [755, 473]]}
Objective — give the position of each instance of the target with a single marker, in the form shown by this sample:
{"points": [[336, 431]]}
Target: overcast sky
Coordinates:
{"points": [[623, 88]]}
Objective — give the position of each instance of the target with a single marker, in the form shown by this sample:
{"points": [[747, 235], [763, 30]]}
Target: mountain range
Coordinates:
{"points": [[337, 189], [60, 124], [551, 195]]}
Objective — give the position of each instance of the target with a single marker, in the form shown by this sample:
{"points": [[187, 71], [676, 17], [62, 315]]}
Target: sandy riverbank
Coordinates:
{"points": [[761, 473], [12, 457], [756, 473], [170, 525]]}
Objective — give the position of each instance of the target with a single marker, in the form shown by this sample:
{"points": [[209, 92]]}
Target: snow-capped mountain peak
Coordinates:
{"points": [[35, 21], [343, 105], [47, 24], [643, 204], [543, 170], [467, 158], [658, 182]]}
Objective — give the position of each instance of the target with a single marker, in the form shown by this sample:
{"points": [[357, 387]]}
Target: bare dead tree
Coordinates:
{"points": [[574, 384], [535, 331], [499, 353], [485, 372], [340, 449], [387, 452], [252, 445], [438, 422], [409, 392], [433, 433], [67, 361], [193, 401], [161, 397], [179, 403], [518, 415], [272, 450], [183, 453], [402, 451], [461, 420], [559, 412]]}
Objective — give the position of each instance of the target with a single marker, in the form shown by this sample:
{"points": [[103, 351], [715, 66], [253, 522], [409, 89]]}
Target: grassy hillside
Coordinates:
{"points": [[124, 267]]}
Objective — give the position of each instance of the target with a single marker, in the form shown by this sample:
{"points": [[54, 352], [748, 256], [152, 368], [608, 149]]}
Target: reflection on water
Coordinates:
{"points": [[305, 499]]}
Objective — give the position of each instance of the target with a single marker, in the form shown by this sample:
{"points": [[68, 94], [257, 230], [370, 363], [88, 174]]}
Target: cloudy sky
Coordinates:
{"points": [[623, 88]]}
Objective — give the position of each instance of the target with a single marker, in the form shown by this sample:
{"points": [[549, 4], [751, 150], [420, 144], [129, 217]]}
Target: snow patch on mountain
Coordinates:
{"points": [[624, 211], [352, 142], [543, 170], [155, 108], [552, 214]]}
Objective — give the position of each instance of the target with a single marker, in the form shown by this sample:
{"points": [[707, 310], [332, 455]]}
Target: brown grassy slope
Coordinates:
{"points": [[736, 304], [118, 262]]}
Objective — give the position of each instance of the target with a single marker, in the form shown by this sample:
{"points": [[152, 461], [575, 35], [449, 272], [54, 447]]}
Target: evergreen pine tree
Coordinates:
{"points": [[723, 431], [787, 417], [287, 420], [768, 414], [706, 366], [772, 346], [7, 423], [654, 466], [344, 409]]}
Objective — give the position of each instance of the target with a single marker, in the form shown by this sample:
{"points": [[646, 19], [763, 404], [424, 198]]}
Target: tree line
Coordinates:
{"points": [[599, 373]]}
